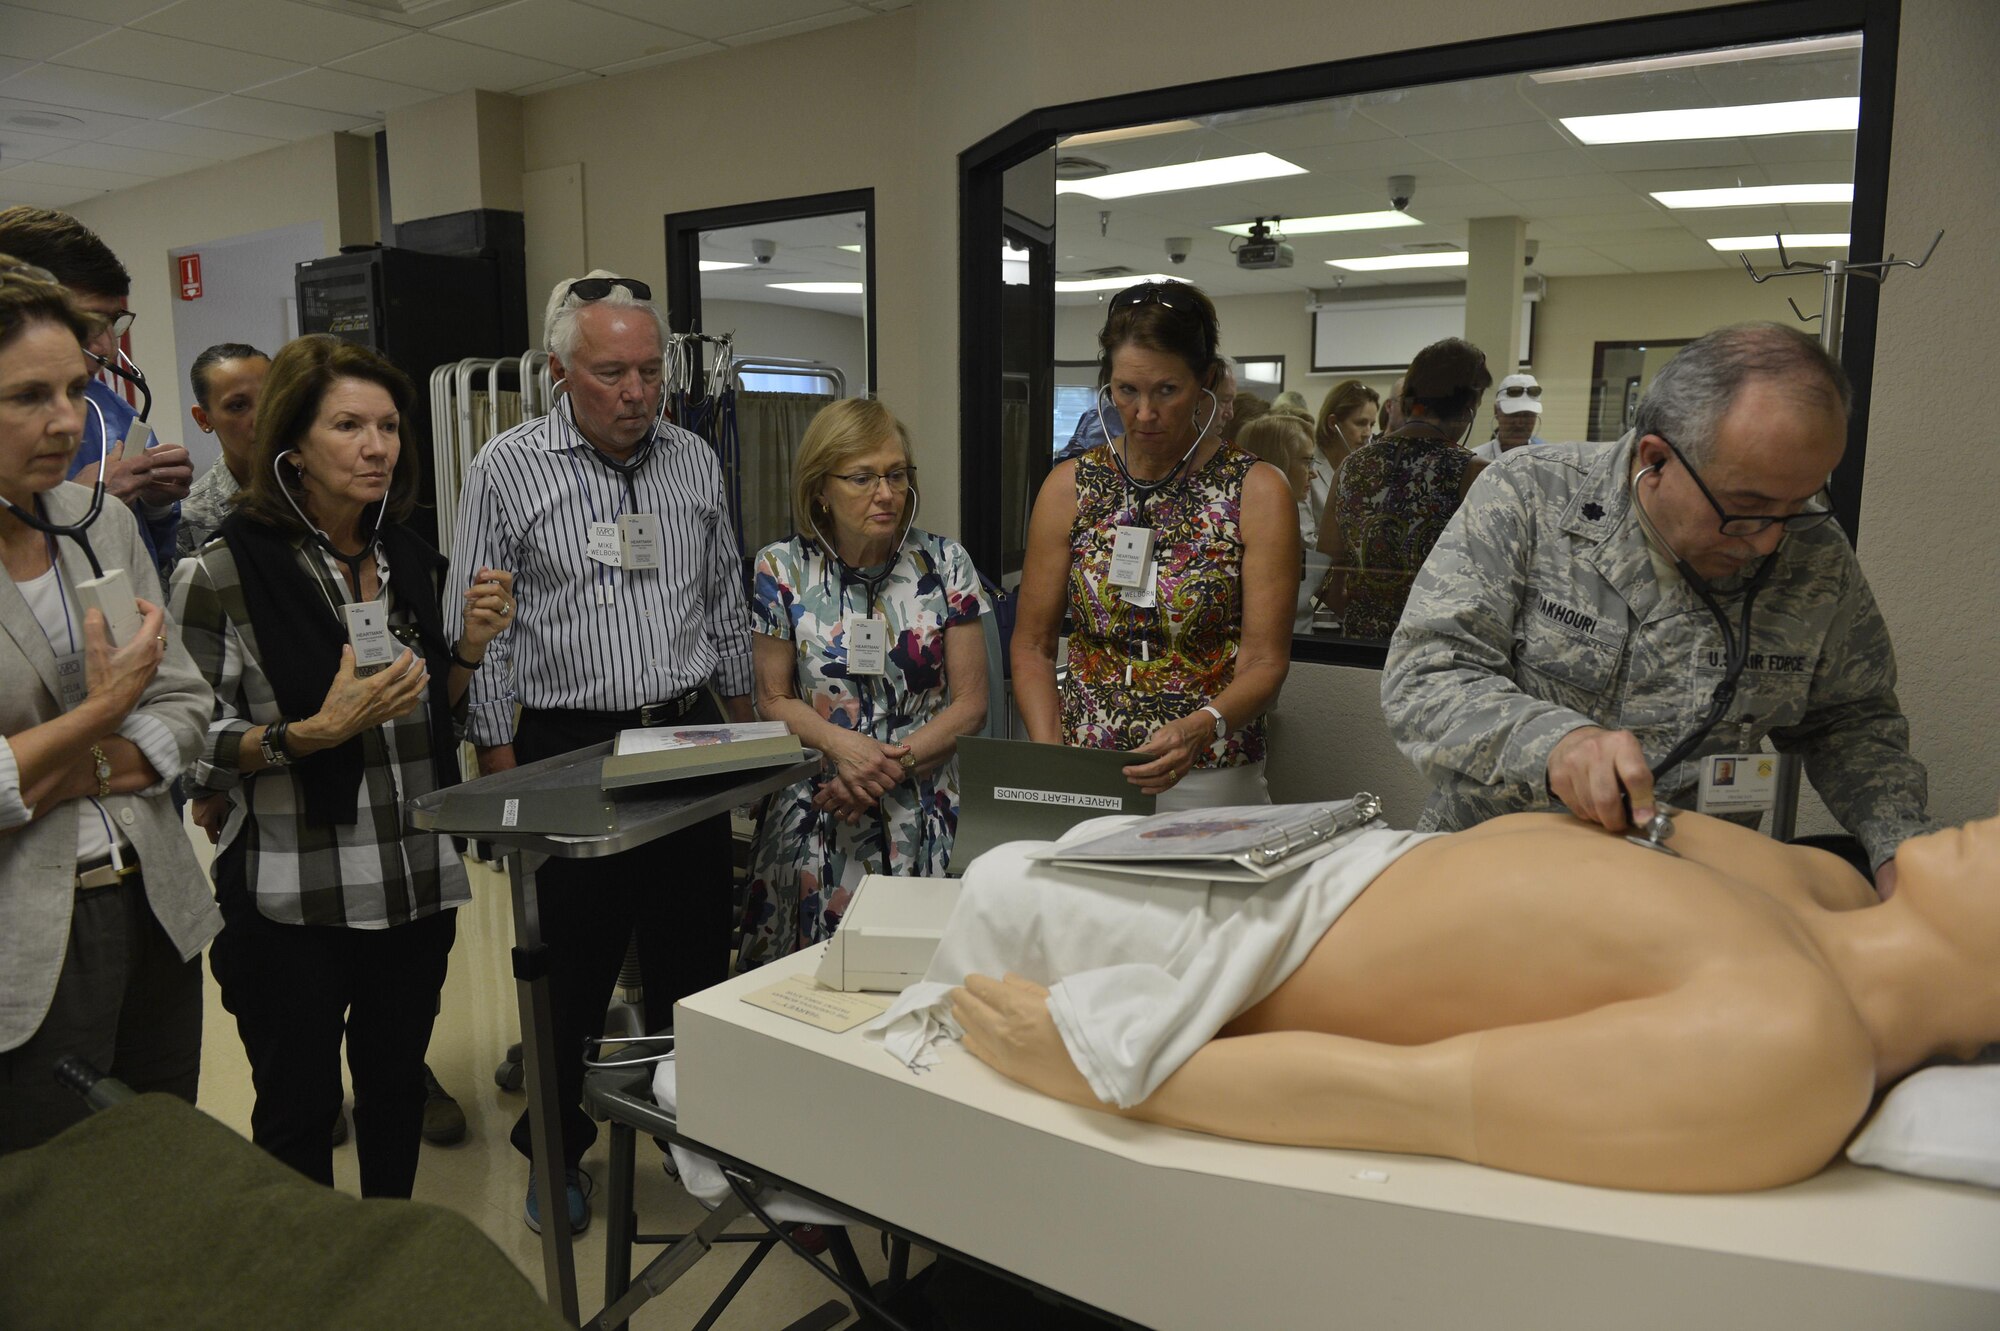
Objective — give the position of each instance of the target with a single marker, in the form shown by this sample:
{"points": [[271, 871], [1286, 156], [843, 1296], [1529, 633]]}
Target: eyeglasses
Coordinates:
{"points": [[1733, 524], [119, 323], [1519, 390], [864, 482], [597, 288], [1153, 293]]}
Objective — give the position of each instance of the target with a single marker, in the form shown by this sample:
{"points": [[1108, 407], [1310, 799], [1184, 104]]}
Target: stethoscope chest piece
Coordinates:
{"points": [[1659, 828]]}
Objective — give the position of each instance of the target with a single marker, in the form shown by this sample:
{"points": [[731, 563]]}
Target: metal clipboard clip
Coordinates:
{"points": [[1363, 809]]}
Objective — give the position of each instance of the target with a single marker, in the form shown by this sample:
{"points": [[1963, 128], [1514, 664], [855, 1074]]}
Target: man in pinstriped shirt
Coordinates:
{"points": [[630, 605]]}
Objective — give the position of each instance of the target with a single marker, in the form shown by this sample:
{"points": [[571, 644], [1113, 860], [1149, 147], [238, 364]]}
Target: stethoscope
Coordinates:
{"points": [[1736, 656], [851, 576], [78, 531], [1142, 492], [351, 562], [129, 372]]}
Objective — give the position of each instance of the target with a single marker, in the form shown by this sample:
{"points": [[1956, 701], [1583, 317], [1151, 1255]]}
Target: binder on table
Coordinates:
{"points": [[1245, 843], [1014, 790]]}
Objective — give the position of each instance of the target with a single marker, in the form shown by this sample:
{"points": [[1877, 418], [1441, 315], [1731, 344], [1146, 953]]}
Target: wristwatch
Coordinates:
{"points": [[1221, 722], [272, 745], [102, 769]]}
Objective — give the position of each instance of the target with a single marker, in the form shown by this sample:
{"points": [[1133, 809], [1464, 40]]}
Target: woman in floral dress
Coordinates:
{"points": [[868, 647]]}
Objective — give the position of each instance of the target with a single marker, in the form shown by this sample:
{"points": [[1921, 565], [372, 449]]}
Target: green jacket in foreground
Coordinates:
{"points": [[1539, 612]]}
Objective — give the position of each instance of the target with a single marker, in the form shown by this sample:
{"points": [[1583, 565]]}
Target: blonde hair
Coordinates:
{"points": [[839, 434], [1279, 438]]}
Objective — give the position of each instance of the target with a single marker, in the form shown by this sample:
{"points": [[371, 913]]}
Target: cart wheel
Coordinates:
{"points": [[511, 1075]]}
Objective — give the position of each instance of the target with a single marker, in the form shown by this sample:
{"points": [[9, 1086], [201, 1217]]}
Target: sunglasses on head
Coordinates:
{"points": [[597, 288], [1518, 390], [1152, 293]]}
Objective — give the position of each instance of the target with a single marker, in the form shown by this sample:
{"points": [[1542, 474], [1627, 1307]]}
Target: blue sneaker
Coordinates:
{"points": [[580, 1189]]}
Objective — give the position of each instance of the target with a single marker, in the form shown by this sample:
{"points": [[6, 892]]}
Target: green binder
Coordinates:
{"points": [[1013, 790]]}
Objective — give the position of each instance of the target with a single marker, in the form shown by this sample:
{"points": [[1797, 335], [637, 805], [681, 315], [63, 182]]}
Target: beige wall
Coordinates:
{"points": [[766, 328], [454, 154], [328, 179], [889, 104]]}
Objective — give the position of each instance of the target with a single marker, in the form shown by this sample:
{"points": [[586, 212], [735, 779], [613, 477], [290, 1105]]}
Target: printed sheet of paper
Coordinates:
{"points": [[801, 998]]}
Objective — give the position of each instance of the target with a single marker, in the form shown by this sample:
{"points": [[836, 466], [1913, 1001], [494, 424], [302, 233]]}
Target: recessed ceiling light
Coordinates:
{"points": [[1129, 132], [1110, 283], [1182, 175], [1455, 259], [1695, 59], [1313, 226], [717, 265], [1008, 254], [1749, 196], [1718, 122], [1808, 240], [819, 288], [851, 249]]}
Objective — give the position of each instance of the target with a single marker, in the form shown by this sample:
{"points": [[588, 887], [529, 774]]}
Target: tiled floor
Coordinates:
{"points": [[484, 1179]]}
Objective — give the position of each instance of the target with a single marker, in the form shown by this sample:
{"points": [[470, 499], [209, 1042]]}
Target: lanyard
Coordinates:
{"points": [[1140, 493]]}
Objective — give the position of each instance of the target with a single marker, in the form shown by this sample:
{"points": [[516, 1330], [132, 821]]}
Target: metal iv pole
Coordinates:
{"points": [[1833, 307]]}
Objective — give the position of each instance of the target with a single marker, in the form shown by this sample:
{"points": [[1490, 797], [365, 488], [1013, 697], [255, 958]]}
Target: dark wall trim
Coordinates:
{"points": [[684, 250], [982, 165]]}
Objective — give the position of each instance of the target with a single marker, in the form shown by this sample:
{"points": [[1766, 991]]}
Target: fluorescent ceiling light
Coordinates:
{"points": [[819, 288], [1454, 259], [1718, 122], [1182, 175], [1748, 196], [1129, 132], [1810, 240], [1008, 254], [1313, 226], [1695, 59], [1110, 283], [851, 249], [717, 265]]}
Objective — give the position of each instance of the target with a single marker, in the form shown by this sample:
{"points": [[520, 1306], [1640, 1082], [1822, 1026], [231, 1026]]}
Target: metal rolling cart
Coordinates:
{"points": [[655, 812]]}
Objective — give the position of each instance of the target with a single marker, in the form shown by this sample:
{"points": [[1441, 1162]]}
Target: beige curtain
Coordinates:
{"points": [[769, 428]]}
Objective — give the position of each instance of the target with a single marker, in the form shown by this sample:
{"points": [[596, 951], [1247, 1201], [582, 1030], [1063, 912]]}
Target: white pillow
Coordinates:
{"points": [[1942, 1122]]}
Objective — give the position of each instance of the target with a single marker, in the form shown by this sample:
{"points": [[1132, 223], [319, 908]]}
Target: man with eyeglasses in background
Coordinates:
{"points": [[1517, 410], [1571, 629], [152, 481], [630, 605]]}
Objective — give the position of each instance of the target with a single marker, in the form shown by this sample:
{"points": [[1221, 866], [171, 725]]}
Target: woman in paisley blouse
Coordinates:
{"points": [[1177, 657], [868, 647]]}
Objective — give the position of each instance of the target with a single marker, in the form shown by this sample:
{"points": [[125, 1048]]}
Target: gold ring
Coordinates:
{"points": [[506, 608], [161, 638]]}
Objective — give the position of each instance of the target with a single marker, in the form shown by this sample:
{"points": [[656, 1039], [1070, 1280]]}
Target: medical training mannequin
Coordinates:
{"points": [[1539, 995]]}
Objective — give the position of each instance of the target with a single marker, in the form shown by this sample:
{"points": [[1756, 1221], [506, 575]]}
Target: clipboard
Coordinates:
{"points": [[1015, 790]]}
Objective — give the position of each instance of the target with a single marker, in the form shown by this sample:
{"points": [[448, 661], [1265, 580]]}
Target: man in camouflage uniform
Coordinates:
{"points": [[1551, 651]]}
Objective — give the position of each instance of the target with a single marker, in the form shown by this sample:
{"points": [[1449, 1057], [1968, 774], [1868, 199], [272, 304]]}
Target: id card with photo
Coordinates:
{"points": [[1738, 783]]}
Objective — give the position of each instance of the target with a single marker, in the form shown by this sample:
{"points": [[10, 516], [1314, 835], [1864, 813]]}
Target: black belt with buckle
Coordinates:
{"points": [[672, 710]]}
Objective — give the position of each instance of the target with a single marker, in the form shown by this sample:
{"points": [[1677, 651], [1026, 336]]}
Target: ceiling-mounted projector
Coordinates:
{"points": [[1261, 250]]}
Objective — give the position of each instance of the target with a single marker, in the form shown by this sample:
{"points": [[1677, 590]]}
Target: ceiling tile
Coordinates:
{"points": [[1776, 148], [250, 115], [20, 145], [336, 90], [1583, 186], [1319, 125], [40, 196], [30, 34], [566, 81], [1526, 166], [306, 34], [1596, 205], [1576, 262], [192, 64], [99, 11], [84, 90], [1443, 107], [149, 162], [59, 122], [665, 58], [45, 172], [9, 65], [1670, 156], [193, 140], [715, 19], [794, 27], [1492, 141], [424, 60], [563, 30]]}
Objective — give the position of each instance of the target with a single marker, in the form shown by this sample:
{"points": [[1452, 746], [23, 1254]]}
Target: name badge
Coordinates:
{"points": [[1131, 554], [1738, 783], [368, 634], [72, 680], [639, 540], [602, 544], [867, 646]]}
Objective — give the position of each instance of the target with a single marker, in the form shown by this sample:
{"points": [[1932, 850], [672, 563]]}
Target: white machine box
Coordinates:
{"points": [[889, 934]]}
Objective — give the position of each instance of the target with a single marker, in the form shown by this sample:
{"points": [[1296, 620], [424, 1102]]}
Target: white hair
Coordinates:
{"points": [[559, 332]]}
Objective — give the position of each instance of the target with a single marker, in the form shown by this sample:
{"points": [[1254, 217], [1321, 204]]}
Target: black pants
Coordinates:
{"points": [[294, 990], [125, 1002], [674, 892]]}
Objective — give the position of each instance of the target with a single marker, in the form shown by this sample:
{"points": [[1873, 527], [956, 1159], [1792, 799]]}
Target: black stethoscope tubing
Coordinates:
{"points": [[78, 531]]}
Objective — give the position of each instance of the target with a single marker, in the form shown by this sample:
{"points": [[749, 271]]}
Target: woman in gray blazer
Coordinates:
{"points": [[103, 908]]}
